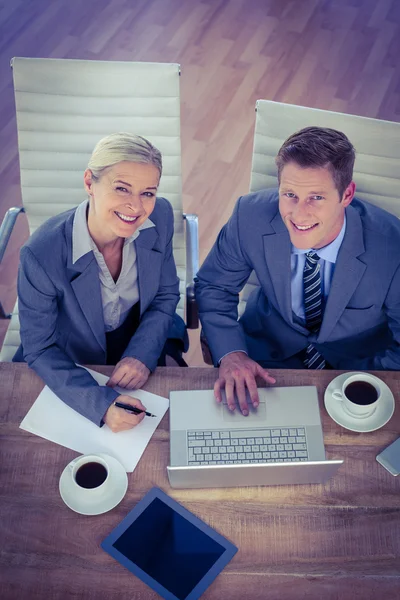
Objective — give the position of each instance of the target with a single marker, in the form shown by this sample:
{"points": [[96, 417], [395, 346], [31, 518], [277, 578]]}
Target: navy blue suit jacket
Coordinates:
{"points": [[361, 321], [61, 313]]}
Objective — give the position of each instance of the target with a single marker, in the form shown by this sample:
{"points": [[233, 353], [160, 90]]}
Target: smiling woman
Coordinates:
{"points": [[122, 194], [98, 285], [122, 199], [120, 202]]}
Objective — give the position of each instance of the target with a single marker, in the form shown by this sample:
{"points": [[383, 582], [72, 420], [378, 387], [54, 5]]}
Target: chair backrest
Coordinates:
{"points": [[65, 106], [377, 143]]}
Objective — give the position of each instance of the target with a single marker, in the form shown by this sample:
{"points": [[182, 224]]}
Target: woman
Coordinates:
{"points": [[98, 284]]}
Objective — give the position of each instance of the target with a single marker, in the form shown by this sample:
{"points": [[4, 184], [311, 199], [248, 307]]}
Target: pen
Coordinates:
{"points": [[133, 409]]}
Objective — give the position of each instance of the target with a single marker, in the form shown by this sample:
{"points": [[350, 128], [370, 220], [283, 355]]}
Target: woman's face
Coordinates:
{"points": [[121, 199]]}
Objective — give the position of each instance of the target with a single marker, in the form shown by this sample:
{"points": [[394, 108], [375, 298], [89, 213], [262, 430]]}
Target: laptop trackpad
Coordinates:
{"points": [[255, 414]]}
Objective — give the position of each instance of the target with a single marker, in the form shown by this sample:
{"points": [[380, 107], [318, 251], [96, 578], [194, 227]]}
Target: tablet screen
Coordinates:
{"points": [[169, 548]]}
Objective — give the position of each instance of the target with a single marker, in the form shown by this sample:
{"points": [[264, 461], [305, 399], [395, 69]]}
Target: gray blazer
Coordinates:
{"points": [[61, 312], [361, 322]]}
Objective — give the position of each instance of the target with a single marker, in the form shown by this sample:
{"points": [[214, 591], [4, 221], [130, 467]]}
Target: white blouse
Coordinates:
{"points": [[119, 296]]}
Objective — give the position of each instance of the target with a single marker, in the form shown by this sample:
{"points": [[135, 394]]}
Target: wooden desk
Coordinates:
{"points": [[335, 541]]}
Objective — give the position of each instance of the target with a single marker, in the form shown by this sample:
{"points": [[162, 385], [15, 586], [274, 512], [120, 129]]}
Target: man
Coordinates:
{"points": [[328, 267]]}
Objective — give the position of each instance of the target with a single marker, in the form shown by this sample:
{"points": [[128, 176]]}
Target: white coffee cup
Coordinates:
{"points": [[360, 401], [86, 482]]}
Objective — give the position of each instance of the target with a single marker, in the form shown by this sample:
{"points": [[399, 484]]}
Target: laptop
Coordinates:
{"points": [[280, 442]]}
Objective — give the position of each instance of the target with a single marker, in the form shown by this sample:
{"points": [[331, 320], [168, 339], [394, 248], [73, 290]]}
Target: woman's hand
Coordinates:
{"points": [[129, 373], [119, 419]]}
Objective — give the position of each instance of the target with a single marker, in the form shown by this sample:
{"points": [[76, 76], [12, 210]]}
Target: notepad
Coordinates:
{"points": [[53, 420]]}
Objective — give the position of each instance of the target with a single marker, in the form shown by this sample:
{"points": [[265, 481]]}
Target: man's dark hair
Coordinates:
{"points": [[320, 147]]}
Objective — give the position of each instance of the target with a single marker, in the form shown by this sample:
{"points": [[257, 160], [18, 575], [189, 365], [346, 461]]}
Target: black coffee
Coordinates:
{"points": [[91, 475], [361, 392]]}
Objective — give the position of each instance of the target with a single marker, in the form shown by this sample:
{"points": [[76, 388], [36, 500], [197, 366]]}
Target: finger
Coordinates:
{"points": [[120, 425], [241, 394], [253, 392], [128, 420], [121, 420], [133, 384], [138, 381], [265, 375], [124, 427], [116, 376], [127, 378], [136, 402], [142, 380], [218, 385], [230, 394], [139, 377], [130, 384], [133, 419]]}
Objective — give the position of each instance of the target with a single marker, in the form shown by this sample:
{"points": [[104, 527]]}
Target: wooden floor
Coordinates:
{"points": [[339, 55]]}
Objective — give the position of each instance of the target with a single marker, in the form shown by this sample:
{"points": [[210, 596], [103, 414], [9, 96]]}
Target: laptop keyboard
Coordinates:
{"points": [[275, 445]]}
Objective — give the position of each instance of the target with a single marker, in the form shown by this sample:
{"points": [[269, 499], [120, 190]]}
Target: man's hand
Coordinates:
{"points": [[129, 373], [236, 373], [119, 419]]}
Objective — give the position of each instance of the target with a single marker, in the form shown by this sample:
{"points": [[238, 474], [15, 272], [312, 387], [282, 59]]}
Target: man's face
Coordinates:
{"points": [[310, 205]]}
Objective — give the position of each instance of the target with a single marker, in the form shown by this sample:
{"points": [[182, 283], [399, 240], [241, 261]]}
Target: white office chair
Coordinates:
{"points": [[377, 143], [63, 108], [377, 167]]}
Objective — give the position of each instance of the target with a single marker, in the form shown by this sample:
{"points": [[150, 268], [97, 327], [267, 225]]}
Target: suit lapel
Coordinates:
{"points": [[145, 253], [87, 290], [277, 255], [85, 282], [347, 275]]}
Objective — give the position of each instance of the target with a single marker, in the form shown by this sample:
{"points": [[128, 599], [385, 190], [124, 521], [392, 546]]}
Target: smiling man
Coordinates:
{"points": [[328, 266]]}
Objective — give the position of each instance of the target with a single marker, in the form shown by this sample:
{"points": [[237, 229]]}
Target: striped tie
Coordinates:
{"points": [[312, 307]]}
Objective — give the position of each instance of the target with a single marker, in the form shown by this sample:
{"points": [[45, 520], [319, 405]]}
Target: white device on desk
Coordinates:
{"points": [[390, 458], [280, 442]]}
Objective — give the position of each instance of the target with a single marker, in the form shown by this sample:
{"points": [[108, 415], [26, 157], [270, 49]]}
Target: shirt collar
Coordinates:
{"points": [[82, 243], [328, 252]]}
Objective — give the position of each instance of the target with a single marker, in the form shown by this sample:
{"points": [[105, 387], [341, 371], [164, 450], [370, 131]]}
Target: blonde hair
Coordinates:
{"points": [[119, 147]]}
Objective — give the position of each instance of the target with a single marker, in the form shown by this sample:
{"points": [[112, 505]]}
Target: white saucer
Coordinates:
{"points": [[377, 419], [77, 502]]}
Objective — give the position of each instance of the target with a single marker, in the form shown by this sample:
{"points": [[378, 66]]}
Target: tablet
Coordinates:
{"points": [[168, 548]]}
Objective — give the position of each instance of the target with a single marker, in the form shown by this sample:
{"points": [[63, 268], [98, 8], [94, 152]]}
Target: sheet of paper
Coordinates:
{"points": [[53, 420]]}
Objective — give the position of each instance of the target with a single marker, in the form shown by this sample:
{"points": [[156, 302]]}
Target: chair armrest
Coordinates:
{"points": [[192, 266], [7, 226], [205, 350], [5, 232]]}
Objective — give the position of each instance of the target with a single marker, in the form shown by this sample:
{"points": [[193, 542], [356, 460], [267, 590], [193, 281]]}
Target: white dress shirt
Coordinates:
{"points": [[119, 296]]}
